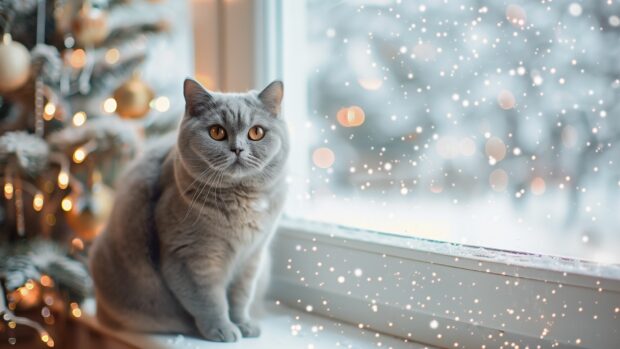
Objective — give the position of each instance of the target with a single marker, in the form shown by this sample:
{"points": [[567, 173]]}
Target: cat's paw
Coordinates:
{"points": [[220, 332], [249, 328]]}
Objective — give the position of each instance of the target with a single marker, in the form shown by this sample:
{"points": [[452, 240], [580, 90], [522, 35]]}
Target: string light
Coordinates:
{"points": [[63, 179], [8, 190], [75, 310], [79, 118], [78, 58], [45, 338], [37, 202], [109, 105], [112, 56], [79, 155], [78, 244], [48, 111], [66, 204], [46, 281], [161, 104]]}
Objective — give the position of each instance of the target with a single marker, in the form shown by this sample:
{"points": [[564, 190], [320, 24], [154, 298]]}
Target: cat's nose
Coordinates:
{"points": [[236, 150]]}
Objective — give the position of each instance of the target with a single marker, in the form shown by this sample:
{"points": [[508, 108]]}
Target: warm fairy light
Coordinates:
{"points": [[37, 202], [45, 338], [46, 281], [8, 190], [75, 310], [112, 56], [48, 111], [79, 155], [29, 285], [79, 118], [109, 105], [78, 58], [323, 157], [77, 243], [351, 116], [66, 204], [161, 104], [63, 180]]}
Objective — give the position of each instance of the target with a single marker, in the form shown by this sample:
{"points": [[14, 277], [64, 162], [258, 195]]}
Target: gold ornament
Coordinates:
{"points": [[133, 98], [14, 64], [90, 26], [88, 217]]}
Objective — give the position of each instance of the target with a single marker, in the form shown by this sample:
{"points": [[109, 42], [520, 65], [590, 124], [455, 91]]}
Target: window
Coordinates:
{"points": [[482, 127], [488, 123]]}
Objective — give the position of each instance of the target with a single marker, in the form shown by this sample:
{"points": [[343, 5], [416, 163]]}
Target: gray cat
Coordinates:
{"points": [[191, 221]]}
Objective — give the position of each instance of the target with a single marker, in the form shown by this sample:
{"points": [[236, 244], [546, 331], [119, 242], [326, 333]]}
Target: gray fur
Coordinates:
{"points": [[191, 222]]}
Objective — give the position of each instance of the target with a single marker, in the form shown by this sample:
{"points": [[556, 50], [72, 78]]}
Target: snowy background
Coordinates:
{"points": [[490, 123]]}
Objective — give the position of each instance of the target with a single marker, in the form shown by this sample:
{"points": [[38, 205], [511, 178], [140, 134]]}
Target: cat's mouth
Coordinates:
{"points": [[240, 167], [237, 165]]}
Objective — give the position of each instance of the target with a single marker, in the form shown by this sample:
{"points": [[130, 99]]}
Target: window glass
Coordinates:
{"points": [[489, 123]]}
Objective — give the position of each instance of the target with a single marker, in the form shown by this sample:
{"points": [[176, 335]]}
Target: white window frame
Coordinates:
{"points": [[533, 301]]}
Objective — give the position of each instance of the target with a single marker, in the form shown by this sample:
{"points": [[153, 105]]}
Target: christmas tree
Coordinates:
{"points": [[83, 83]]}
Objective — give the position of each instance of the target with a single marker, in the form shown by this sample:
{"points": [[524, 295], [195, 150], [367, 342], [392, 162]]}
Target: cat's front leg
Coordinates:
{"points": [[200, 285], [241, 294]]}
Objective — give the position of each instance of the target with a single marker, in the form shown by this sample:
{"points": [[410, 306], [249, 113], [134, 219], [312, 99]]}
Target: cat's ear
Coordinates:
{"points": [[197, 99], [271, 96]]}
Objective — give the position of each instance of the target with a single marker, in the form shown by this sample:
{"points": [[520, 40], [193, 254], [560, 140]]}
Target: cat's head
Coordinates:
{"points": [[240, 136]]}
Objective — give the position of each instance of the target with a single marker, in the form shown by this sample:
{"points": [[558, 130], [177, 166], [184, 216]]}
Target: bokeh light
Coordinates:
{"points": [[109, 105], [506, 100], [323, 157], [498, 179], [351, 116], [538, 186], [79, 118], [495, 148], [112, 56]]}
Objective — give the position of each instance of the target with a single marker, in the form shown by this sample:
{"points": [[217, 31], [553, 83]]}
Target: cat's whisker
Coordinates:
{"points": [[205, 184], [197, 194]]}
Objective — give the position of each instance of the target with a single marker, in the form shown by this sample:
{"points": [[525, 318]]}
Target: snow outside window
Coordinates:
{"points": [[489, 123]]}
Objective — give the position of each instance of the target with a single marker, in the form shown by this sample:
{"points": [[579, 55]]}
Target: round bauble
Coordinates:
{"points": [[14, 64], [90, 26], [92, 210], [133, 98]]}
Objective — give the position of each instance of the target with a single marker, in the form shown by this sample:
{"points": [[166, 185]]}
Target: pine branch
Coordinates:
{"points": [[20, 262]]}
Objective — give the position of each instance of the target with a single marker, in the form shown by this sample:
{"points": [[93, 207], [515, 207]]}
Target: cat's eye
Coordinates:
{"points": [[256, 133], [217, 132]]}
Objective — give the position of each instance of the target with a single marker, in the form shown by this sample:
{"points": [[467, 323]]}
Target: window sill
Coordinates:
{"points": [[282, 327], [443, 294]]}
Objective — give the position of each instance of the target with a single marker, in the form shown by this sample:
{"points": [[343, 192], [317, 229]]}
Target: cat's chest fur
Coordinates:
{"points": [[242, 216]]}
